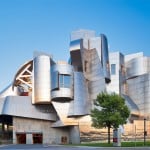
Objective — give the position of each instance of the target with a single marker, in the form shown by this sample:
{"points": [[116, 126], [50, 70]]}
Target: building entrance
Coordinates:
{"points": [[6, 129], [21, 138], [37, 138]]}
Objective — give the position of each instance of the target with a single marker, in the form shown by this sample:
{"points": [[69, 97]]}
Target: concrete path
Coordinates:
{"points": [[61, 147]]}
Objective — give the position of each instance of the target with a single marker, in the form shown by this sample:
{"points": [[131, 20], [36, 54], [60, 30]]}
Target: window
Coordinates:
{"points": [[107, 66], [64, 80], [113, 69], [54, 80], [122, 70], [85, 65]]}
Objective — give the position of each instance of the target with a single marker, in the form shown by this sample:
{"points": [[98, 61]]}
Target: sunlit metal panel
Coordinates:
{"points": [[81, 104], [105, 57], [76, 57], [136, 67], [21, 106], [41, 79]]}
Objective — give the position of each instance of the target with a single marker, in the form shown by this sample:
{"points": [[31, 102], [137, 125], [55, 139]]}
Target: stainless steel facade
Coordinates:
{"points": [[89, 55], [117, 69], [131, 80], [62, 81], [138, 79], [41, 79], [80, 104], [63, 93]]}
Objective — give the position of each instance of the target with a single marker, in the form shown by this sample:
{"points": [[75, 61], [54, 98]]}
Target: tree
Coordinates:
{"points": [[110, 111]]}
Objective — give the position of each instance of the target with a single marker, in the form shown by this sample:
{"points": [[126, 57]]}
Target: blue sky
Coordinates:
{"points": [[45, 25]]}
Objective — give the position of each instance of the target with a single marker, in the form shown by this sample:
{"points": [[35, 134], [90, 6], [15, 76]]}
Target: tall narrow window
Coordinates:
{"points": [[122, 70], [64, 80], [85, 65], [113, 69], [54, 81]]}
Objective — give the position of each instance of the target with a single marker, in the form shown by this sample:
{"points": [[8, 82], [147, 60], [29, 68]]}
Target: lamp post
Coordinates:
{"points": [[145, 132]]}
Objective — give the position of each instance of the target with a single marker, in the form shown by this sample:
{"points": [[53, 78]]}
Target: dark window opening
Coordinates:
{"points": [[37, 138], [6, 129], [85, 65], [21, 138]]}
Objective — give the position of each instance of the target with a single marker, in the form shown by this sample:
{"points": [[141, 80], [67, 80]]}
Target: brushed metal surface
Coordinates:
{"points": [[62, 92], [136, 67], [21, 106], [81, 104], [88, 74], [105, 57], [41, 80]]}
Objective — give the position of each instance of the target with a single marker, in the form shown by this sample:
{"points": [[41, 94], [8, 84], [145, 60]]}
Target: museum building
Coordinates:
{"points": [[50, 102]]}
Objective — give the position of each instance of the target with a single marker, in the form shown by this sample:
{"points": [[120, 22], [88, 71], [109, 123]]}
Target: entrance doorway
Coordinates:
{"points": [[21, 138], [37, 138]]}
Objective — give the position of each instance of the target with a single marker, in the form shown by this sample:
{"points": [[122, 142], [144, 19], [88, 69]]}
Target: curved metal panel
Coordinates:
{"points": [[41, 79], [136, 67], [21, 106], [105, 57], [75, 45], [139, 91], [81, 104], [60, 92], [62, 68], [75, 52]]}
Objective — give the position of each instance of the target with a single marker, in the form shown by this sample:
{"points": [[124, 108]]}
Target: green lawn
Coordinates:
{"points": [[132, 144], [123, 144]]}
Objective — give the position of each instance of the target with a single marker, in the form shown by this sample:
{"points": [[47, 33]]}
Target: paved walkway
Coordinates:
{"points": [[61, 147]]}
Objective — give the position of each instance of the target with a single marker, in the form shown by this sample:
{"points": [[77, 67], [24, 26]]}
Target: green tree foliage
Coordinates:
{"points": [[110, 111]]}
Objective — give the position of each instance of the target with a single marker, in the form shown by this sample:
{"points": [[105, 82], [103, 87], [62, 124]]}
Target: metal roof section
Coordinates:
{"points": [[21, 106], [8, 91]]}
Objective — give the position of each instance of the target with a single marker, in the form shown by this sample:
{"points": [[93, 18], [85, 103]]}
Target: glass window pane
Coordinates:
{"points": [[67, 81], [54, 80], [64, 80], [60, 80], [113, 69]]}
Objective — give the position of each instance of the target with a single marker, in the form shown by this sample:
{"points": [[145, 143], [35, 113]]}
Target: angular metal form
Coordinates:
{"points": [[62, 88], [55, 98]]}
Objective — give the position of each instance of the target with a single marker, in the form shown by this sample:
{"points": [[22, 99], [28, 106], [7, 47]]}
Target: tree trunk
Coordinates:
{"points": [[108, 135]]}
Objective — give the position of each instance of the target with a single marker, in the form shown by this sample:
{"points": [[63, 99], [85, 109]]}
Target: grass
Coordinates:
{"points": [[97, 144], [123, 144], [133, 144]]}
